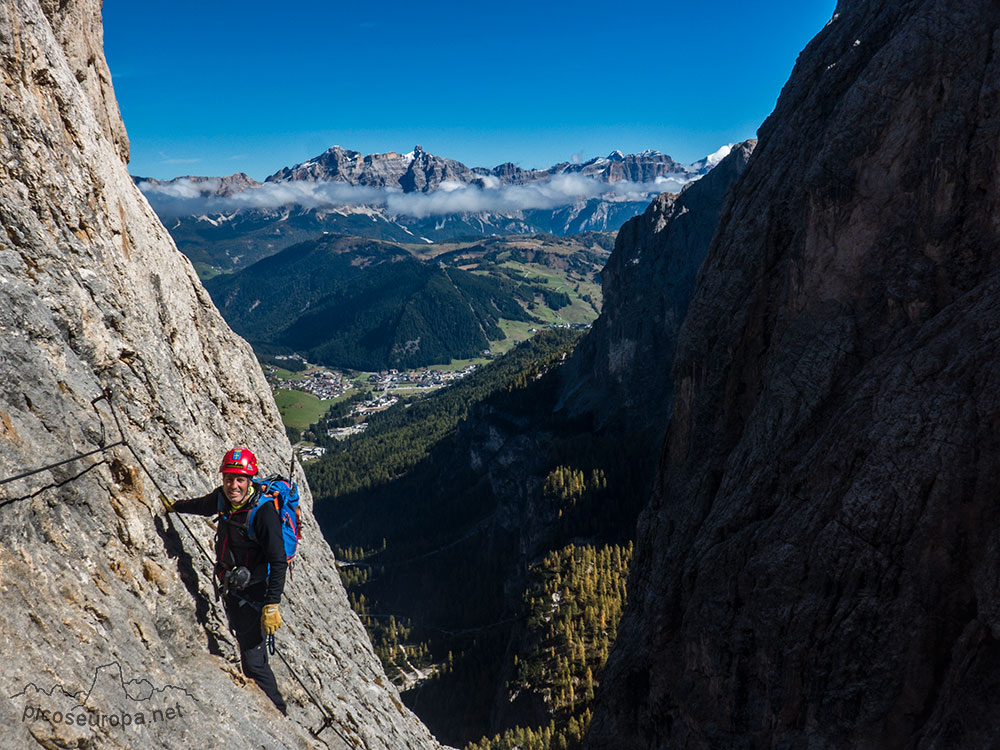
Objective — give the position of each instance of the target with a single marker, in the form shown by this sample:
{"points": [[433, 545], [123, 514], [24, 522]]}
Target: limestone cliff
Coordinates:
{"points": [[107, 607], [818, 567]]}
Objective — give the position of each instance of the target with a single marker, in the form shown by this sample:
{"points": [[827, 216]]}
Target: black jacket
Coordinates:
{"points": [[264, 555]]}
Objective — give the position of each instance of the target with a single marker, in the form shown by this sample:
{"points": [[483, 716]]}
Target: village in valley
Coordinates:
{"points": [[305, 392], [328, 385]]}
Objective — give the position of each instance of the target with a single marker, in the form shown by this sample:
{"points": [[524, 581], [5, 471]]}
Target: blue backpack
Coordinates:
{"points": [[284, 493]]}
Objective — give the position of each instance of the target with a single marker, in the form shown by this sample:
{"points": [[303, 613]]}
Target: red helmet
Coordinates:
{"points": [[239, 461]]}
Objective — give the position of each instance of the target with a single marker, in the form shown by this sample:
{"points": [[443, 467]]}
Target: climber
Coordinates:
{"points": [[250, 562]]}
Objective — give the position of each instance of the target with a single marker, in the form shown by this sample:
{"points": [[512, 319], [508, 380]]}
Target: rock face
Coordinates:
{"points": [[108, 609], [617, 371], [818, 567], [81, 36], [416, 171], [419, 171]]}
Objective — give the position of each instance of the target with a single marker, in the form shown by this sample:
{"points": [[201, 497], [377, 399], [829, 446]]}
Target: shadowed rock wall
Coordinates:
{"points": [[819, 565]]}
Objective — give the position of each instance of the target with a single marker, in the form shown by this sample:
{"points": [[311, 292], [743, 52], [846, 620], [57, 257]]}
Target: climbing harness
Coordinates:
{"points": [[233, 580]]}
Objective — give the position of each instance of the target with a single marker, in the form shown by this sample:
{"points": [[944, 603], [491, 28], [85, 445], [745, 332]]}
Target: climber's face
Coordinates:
{"points": [[234, 487]]}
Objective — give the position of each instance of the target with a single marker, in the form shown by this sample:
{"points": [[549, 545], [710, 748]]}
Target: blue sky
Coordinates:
{"points": [[220, 87]]}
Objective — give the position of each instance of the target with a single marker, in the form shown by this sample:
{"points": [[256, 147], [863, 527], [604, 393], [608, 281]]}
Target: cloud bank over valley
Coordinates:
{"points": [[193, 196]]}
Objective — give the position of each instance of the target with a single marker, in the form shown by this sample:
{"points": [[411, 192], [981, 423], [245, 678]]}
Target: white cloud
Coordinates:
{"points": [[187, 197], [193, 197], [714, 158], [307, 195], [183, 188]]}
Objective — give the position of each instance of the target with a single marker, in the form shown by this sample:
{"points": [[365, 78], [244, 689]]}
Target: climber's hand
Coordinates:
{"points": [[270, 618], [168, 504]]}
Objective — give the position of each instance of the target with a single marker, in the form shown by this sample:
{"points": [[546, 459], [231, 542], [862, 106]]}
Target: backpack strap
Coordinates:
{"points": [[261, 499]]}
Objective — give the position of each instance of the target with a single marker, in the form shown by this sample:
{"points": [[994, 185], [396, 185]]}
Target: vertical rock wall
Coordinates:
{"points": [[107, 607], [818, 567]]}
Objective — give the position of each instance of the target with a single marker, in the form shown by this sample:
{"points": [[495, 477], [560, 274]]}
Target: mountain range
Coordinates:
{"points": [[419, 171], [225, 223]]}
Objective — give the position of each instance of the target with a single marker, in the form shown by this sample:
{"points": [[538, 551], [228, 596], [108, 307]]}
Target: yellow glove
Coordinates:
{"points": [[270, 619], [168, 504]]}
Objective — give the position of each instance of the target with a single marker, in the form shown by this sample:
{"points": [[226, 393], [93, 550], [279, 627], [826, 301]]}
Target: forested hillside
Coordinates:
{"points": [[368, 305], [573, 603], [363, 304], [455, 516], [398, 439]]}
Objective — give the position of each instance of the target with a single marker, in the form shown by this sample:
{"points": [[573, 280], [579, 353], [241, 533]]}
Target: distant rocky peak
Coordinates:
{"points": [[236, 183], [199, 185], [422, 171], [339, 152], [712, 159]]}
